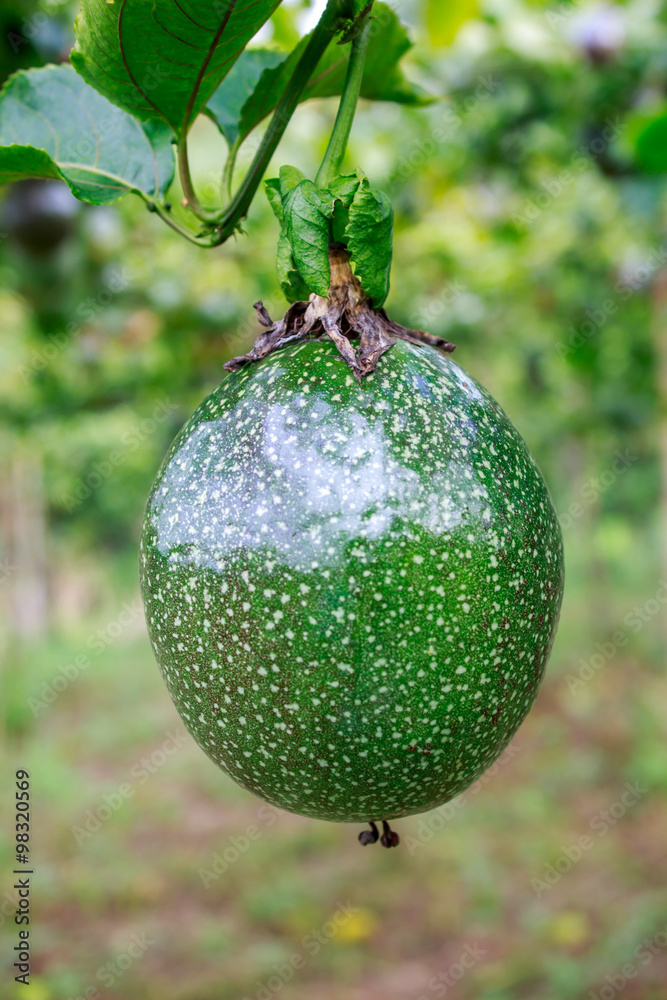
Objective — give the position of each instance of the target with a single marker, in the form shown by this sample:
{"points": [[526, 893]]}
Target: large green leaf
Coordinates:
{"points": [[164, 59], [52, 124], [384, 79]]}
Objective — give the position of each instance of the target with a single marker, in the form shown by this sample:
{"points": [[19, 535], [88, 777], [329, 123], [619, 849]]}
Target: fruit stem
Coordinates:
{"points": [[333, 158]]}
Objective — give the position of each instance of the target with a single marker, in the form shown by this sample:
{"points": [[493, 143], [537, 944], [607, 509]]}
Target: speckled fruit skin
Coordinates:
{"points": [[351, 590]]}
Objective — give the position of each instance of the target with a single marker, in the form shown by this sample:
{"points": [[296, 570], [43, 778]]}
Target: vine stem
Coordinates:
{"points": [[333, 158], [162, 213], [228, 172], [319, 40], [193, 203], [227, 221]]}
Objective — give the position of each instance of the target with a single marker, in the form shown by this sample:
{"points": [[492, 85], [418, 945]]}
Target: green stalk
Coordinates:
{"points": [[333, 158], [240, 204], [193, 203], [197, 239], [228, 172]]}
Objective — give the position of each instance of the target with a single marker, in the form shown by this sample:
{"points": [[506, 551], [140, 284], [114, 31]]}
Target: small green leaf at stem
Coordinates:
{"points": [[288, 179], [291, 282], [272, 188], [308, 214], [52, 124], [342, 190], [344, 187], [351, 213], [341, 217], [368, 236], [277, 189]]}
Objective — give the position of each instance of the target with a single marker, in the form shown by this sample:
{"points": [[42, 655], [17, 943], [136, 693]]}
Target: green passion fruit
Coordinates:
{"points": [[351, 590]]}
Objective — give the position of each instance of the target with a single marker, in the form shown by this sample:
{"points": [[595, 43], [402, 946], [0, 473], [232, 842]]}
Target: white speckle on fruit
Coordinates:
{"points": [[354, 556]]}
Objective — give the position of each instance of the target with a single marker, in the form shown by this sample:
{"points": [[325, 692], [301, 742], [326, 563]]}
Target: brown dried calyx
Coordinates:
{"points": [[345, 316]]}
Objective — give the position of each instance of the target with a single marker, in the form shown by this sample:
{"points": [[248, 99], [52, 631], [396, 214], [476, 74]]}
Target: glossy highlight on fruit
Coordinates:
{"points": [[351, 590]]}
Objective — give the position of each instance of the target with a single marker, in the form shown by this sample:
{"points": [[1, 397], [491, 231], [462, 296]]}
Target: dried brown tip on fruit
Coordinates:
{"points": [[369, 836], [389, 837], [345, 316]]}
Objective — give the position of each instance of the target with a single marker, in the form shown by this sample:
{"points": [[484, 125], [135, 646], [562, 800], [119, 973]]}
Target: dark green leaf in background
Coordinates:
{"points": [[226, 105], [164, 59], [651, 145], [384, 79], [52, 124], [444, 20]]}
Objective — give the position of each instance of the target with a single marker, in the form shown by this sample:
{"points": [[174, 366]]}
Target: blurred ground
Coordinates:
{"points": [[141, 848]]}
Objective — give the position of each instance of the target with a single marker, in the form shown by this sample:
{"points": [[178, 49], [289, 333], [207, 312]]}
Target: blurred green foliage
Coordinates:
{"points": [[530, 231]]}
